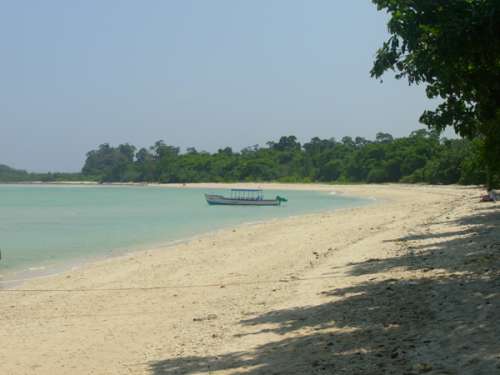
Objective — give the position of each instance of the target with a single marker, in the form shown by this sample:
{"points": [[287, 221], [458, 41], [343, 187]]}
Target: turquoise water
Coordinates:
{"points": [[43, 227]]}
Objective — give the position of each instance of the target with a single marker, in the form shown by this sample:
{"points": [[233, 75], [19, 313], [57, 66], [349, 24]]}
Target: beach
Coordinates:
{"points": [[407, 284]]}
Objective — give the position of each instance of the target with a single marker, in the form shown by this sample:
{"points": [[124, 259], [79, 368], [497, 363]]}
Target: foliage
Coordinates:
{"points": [[420, 157], [8, 174], [453, 47]]}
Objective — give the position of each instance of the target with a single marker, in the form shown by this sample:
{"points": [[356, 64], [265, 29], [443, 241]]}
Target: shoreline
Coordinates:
{"points": [[42, 272], [343, 291]]}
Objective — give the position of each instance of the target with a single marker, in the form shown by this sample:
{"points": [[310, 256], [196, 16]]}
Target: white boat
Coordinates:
{"points": [[244, 197]]}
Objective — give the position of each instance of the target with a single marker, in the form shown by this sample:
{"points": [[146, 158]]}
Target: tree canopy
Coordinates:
{"points": [[453, 47], [8, 174], [420, 157]]}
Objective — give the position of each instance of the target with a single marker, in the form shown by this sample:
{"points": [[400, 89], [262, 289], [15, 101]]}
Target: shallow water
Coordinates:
{"points": [[44, 227]]}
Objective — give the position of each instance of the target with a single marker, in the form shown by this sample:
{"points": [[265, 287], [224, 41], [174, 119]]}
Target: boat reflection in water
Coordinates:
{"points": [[244, 197]]}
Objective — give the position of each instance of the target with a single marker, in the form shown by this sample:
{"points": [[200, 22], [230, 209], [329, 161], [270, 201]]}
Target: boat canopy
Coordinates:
{"points": [[250, 194], [254, 190]]}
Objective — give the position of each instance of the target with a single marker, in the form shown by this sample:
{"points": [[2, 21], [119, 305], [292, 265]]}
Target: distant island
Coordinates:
{"points": [[421, 157]]}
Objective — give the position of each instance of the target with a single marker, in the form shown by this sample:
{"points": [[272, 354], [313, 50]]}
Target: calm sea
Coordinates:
{"points": [[43, 228]]}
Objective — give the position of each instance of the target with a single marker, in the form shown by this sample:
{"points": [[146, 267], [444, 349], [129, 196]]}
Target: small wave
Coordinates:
{"points": [[36, 268]]}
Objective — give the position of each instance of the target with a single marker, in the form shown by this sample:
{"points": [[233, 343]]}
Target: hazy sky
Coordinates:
{"points": [[75, 74]]}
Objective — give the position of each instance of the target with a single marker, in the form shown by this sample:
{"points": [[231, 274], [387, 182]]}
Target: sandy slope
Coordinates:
{"points": [[407, 285]]}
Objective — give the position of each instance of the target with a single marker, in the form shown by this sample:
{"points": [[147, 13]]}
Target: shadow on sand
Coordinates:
{"points": [[435, 323]]}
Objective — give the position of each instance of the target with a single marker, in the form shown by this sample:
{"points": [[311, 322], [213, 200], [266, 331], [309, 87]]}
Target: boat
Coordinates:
{"points": [[244, 197]]}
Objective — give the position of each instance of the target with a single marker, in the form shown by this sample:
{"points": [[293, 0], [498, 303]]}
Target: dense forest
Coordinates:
{"points": [[420, 157]]}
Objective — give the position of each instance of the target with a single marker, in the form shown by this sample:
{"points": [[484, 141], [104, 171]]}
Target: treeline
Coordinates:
{"points": [[421, 157], [8, 174]]}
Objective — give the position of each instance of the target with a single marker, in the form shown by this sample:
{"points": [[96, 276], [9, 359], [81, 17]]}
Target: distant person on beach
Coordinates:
{"points": [[490, 196], [493, 195]]}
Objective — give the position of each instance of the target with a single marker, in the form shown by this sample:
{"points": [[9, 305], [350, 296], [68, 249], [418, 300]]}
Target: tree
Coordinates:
{"points": [[384, 137], [330, 171], [145, 165], [287, 144], [420, 157], [454, 48], [128, 151]]}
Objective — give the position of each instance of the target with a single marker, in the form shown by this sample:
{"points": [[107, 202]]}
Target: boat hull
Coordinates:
{"points": [[219, 200]]}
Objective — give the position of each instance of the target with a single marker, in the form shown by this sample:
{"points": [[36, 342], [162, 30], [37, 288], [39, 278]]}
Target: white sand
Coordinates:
{"points": [[341, 292]]}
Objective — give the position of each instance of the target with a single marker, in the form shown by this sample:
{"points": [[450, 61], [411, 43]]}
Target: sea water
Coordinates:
{"points": [[43, 227]]}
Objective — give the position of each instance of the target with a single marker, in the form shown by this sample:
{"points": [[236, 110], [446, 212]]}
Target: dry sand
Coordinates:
{"points": [[407, 285]]}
